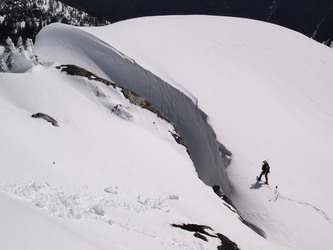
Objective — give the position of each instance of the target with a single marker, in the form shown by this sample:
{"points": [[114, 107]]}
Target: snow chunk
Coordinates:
{"points": [[111, 190], [122, 111]]}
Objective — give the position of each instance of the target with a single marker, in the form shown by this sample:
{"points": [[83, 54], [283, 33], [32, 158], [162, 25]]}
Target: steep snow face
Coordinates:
{"points": [[266, 91], [209, 156], [102, 179], [268, 94]]}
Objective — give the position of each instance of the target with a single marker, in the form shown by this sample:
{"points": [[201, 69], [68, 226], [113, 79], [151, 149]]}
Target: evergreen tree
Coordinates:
{"points": [[19, 42], [9, 47], [9, 50], [29, 46], [36, 14], [20, 57], [3, 66]]}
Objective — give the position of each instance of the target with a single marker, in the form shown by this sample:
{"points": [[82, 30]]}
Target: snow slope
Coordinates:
{"points": [[98, 56], [265, 90], [110, 176], [268, 94]]}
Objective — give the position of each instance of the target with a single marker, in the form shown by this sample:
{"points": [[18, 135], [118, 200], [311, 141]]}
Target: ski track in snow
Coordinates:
{"points": [[277, 196], [77, 205]]}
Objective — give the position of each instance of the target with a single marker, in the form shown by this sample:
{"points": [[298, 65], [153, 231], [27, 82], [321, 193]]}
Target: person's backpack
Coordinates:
{"points": [[265, 168]]}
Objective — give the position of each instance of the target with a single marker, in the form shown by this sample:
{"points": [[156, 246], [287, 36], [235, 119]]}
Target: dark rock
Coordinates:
{"points": [[195, 228], [233, 208], [254, 228], [74, 70], [180, 141], [218, 191], [46, 118], [200, 236], [227, 244], [142, 102], [200, 231]]}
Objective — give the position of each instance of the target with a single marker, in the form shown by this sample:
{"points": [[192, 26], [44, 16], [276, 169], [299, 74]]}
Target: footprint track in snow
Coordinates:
{"points": [[277, 196], [77, 205]]}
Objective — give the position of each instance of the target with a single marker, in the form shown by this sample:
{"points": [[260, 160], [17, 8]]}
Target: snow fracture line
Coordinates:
{"points": [[320, 211]]}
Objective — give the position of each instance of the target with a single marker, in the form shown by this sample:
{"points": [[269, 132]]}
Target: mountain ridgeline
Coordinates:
{"points": [[312, 18], [25, 18]]}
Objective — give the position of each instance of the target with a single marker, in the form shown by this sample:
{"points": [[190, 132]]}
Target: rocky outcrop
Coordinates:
{"points": [[130, 95], [133, 97], [218, 191], [46, 118], [201, 231]]}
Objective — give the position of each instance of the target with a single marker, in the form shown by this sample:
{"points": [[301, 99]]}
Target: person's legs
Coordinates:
{"points": [[266, 177]]}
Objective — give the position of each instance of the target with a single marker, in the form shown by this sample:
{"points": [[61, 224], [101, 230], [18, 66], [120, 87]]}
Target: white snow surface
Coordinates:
{"points": [[102, 179], [268, 93], [107, 181]]}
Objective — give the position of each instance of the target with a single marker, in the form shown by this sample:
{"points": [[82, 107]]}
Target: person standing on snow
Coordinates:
{"points": [[265, 170]]}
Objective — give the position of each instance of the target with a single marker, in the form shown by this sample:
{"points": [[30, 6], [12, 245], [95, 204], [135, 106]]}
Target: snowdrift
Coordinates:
{"points": [[97, 56]]}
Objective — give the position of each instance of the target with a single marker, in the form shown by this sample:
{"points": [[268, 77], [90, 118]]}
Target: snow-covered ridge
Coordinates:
{"points": [[268, 94], [266, 91], [99, 57]]}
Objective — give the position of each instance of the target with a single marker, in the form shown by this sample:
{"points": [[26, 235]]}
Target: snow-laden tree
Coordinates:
{"points": [[10, 47], [18, 58], [9, 51], [29, 47], [19, 42], [3, 66]]}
